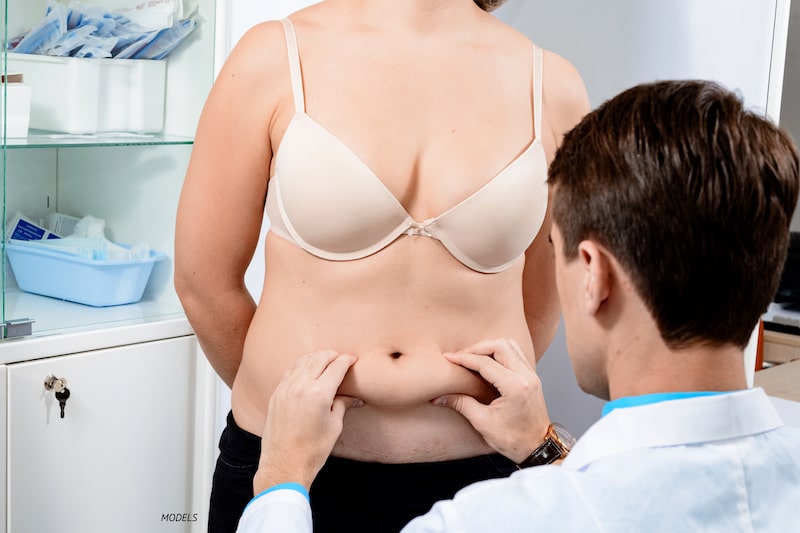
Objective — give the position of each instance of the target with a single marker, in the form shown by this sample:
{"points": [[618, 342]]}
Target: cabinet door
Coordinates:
{"points": [[127, 456]]}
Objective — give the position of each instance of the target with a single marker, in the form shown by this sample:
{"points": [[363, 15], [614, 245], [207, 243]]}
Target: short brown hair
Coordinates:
{"points": [[692, 194], [489, 5]]}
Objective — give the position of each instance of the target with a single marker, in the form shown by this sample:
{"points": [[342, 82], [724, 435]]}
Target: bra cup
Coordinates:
{"points": [[345, 209], [327, 200], [493, 228]]}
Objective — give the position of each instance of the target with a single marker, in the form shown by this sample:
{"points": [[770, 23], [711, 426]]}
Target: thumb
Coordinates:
{"points": [[342, 404], [469, 407]]}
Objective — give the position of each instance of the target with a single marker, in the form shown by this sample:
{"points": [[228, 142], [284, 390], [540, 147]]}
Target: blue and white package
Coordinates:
{"points": [[23, 229], [79, 30]]}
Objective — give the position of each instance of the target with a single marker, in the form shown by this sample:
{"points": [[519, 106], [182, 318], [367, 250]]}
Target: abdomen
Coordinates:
{"points": [[397, 320]]}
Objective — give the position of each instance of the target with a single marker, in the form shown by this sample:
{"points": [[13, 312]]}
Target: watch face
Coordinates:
{"points": [[567, 440]]}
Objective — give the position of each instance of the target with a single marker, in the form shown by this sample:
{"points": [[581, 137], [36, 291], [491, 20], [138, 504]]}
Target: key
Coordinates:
{"points": [[62, 396]]}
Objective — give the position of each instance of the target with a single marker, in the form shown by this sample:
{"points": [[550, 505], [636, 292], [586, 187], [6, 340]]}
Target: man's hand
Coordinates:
{"points": [[304, 420], [515, 423]]}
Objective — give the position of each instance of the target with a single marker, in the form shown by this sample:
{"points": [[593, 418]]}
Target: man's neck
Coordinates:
{"points": [[654, 368]]}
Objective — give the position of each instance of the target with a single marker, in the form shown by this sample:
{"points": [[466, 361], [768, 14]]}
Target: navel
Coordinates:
{"points": [[396, 355]]}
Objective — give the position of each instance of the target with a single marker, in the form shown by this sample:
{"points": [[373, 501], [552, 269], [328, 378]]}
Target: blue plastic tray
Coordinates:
{"points": [[72, 278]]}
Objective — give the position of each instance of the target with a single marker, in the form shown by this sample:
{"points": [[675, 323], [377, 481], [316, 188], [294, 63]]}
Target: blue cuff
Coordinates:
{"points": [[282, 486]]}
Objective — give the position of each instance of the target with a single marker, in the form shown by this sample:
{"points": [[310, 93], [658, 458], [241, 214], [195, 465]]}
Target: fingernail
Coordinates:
{"points": [[439, 401]]}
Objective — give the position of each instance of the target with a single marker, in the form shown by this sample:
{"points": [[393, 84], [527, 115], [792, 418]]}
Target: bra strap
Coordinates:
{"points": [[294, 66], [537, 91]]}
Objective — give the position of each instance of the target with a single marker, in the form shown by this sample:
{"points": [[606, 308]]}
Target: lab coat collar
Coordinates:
{"points": [[674, 423]]}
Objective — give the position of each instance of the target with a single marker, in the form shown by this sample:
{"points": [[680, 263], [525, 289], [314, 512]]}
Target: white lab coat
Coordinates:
{"points": [[721, 463]]}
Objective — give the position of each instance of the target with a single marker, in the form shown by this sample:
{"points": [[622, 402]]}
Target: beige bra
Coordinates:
{"points": [[326, 200]]}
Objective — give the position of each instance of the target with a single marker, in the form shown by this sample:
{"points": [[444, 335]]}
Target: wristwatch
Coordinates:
{"points": [[557, 444]]}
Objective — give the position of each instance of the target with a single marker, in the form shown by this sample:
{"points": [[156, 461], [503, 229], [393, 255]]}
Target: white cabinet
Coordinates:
{"points": [[127, 457]]}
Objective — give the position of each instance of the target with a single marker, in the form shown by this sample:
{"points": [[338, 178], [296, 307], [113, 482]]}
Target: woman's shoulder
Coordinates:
{"points": [[558, 72], [262, 36], [271, 35], [563, 91], [564, 94], [257, 66], [559, 75]]}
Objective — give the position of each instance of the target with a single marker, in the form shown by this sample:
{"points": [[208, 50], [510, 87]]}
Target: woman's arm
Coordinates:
{"points": [[565, 102], [222, 202]]}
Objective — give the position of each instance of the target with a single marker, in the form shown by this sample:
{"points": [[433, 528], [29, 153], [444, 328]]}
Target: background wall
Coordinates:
{"points": [[790, 110]]}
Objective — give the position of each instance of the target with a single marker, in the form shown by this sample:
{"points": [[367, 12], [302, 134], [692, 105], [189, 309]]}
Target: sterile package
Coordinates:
{"points": [[61, 224], [81, 30], [21, 228], [93, 248], [83, 96], [151, 15], [19, 106]]}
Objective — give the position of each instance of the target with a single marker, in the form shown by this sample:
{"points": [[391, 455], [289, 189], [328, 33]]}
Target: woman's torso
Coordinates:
{"points": [[433, 143]]}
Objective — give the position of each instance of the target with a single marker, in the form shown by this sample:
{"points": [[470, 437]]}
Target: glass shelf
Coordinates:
{"points": [[67, 328], [52, 316], [50, 139]]}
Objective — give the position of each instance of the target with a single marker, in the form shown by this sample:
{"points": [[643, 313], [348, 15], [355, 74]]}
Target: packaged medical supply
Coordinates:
{"points": [[153, 15], [80, 30], [46, 33], [61, 224], [86, 238], [19, 227], [93, 248], [18, 106], [82, 237], [89, 226], [162, 43]]}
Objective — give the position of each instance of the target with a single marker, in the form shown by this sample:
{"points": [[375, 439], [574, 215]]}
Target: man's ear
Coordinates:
{"points": [[596, 276]]}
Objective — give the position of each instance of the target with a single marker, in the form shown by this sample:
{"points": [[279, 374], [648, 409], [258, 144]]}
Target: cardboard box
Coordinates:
{"points": [[82, 96], [19, 106]]}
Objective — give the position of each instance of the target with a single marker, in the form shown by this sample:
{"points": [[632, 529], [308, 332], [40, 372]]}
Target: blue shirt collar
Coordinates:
{"points": [[644, 399]]}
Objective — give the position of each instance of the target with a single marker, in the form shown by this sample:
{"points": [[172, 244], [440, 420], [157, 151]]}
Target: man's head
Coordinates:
{"points": [[692, 194]]}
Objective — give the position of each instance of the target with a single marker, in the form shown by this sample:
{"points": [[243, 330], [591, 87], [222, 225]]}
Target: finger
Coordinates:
{"points": [[507, 352], [470, 408], [486, 366], [312, 364], [504, 369], [333, 374], [342, 404]]}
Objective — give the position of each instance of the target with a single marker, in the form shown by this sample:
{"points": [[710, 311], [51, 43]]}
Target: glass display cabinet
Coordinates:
{"points": [[133, 449]]}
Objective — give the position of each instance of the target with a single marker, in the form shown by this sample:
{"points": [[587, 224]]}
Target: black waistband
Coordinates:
{"points": [[239, 442], [248, 446]]}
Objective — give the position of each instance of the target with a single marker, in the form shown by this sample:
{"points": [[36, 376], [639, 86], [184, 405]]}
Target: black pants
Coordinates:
{"points": [[347, 495]]}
